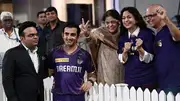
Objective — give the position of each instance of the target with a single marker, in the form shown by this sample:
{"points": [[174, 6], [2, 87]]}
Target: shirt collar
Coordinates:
{"points": [[135, 33], [6, 32], [32, 51], [57, 23]]}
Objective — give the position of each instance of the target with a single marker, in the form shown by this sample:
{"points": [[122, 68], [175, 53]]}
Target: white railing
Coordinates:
{"points": [[118, 92], [4, 96], [48, 82]]}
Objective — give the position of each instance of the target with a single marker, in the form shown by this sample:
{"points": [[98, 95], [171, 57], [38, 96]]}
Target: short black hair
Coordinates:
{"points": [[72, 25], [40, 12], [25, 25], [50, 9]]}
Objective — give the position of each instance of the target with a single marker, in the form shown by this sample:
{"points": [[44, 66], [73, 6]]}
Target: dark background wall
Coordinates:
{"points": [[5, 1], [27, 9]]}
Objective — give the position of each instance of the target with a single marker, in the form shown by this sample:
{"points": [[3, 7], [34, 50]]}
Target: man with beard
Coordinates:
{"points": [[69, 63], [9, 38], [54, 29]]}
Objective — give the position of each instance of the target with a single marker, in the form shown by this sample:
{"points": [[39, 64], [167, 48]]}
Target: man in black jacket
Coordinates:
{"points": [[23, 69], [53, 30]]}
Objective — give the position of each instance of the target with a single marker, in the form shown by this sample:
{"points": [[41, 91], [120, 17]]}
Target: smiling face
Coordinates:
{"points": [[152, 18], [111, 24], [51, 16], [128, 20], [70, 36]]}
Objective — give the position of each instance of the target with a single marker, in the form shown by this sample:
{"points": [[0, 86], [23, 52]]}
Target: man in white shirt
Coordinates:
{"points": [[9, 38]]}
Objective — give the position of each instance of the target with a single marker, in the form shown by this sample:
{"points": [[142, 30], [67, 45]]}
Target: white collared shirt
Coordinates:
{"points": [[135, 33], [34, 57], [148, 57], [7, 42]]}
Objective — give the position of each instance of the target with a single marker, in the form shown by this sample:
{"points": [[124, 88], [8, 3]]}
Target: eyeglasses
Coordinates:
{"points": [[149, 16]]}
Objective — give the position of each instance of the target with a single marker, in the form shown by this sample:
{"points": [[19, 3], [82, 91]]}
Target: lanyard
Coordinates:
{"points": [[13, 38]]}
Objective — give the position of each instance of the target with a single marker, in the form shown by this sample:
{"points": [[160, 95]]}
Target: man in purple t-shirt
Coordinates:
{"points": [[69, 63], [166, 48]]}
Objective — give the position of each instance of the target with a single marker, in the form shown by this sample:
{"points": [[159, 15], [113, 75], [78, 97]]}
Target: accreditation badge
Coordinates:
{"points": [[159, 43]]}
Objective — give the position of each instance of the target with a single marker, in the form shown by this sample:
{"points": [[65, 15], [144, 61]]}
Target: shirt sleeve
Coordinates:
{"points": [[89, 65], [148, 45], [148, 57], [121, 58]]}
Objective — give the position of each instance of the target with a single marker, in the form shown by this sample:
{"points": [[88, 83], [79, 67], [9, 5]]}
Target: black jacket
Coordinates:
{"points": [[20, 80], [54, 37]]}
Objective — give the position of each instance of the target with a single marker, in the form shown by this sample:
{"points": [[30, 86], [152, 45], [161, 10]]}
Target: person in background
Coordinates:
{"points": [[9, 38], [41, 23], [69, 63], [166, 48], [103, 44], [54, 29], [136, 50]]}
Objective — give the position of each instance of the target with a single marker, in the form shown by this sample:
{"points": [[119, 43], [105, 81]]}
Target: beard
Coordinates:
{"points": [[69, 43]]}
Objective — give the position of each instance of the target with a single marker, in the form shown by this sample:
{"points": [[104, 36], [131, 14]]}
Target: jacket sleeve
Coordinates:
{"points": [[8, 69], [93, 48]]}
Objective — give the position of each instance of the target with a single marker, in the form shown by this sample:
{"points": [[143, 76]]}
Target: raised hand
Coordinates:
{"points": [[85, 28], [161, 12]]}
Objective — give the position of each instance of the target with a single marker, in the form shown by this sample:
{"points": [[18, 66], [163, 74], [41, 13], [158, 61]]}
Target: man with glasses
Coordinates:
{"points": [[9, 38], [166, 48]]}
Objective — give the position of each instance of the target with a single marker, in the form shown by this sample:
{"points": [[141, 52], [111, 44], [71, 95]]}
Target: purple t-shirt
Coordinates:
{"points": [[69, 70]]}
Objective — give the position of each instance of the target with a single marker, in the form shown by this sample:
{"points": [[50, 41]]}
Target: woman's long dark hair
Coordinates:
{"points": [[137, 16]]}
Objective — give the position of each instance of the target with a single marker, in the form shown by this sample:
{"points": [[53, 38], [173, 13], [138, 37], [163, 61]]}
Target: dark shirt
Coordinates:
{"points": [[42, 41], [54, 37], [167, 54], [138, 73]]}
